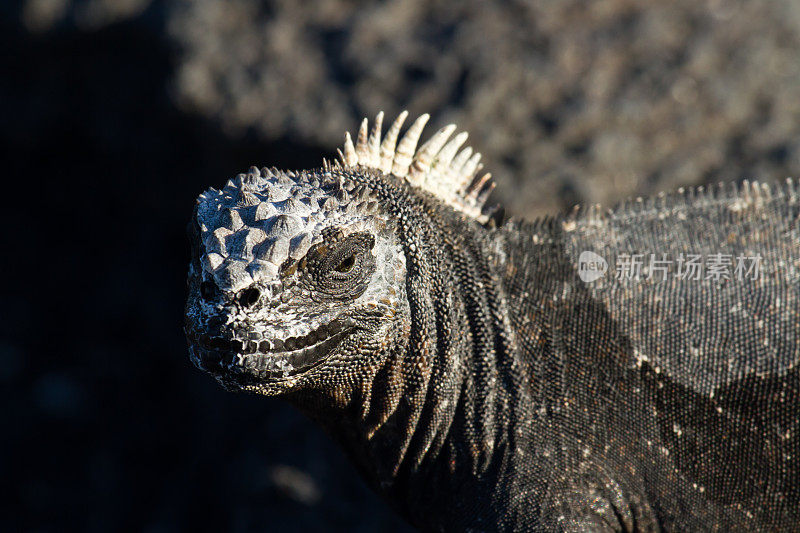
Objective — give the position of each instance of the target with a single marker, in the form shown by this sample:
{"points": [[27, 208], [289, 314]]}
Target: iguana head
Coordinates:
{"points": [[295, 274]]}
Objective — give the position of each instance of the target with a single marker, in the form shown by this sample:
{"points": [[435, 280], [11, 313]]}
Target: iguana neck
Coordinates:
{"points": [[432, 413]]}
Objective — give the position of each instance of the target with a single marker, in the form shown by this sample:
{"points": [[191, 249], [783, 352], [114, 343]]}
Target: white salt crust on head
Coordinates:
{"points": [[262, 218]]}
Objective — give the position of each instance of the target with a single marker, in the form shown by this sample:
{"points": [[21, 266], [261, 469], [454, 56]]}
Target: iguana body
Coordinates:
{"points": [[475, 380]]}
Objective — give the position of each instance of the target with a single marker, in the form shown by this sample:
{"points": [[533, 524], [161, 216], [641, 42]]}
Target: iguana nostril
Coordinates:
{"points": [[207, 290], [249, 297]]}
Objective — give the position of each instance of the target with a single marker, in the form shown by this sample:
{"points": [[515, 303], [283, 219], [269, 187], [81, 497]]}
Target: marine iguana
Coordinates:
{"points": [[491, 374]]}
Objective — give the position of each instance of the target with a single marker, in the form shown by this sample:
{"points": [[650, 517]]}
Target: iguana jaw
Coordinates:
{"points": [[313, 356], [270, 358]]}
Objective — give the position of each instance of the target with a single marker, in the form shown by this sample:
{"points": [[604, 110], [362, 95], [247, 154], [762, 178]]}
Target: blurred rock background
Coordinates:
{"points": [[116, 114]]}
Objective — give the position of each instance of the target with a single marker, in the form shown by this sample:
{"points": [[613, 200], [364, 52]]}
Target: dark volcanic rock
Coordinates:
{"points": [[568, 100]]}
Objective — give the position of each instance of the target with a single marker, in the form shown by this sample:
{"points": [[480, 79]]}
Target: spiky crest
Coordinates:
{"points": [[733, 196], [437, 166]]}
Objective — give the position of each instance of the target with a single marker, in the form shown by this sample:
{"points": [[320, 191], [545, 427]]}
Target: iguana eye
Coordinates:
{"points": [[346, 265], [343, 269]]}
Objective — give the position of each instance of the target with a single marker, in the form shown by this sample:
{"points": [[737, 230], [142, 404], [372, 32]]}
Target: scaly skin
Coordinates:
{"points": [[472, 377]]}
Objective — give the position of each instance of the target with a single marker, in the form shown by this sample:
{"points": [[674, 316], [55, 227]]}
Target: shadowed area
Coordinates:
{"points": [[106, 423]]}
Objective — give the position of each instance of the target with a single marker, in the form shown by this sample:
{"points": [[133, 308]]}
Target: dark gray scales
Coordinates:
{"points": [[475, 380]]}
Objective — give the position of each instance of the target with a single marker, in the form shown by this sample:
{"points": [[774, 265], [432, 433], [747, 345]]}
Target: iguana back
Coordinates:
{"points": [[682, 394]]}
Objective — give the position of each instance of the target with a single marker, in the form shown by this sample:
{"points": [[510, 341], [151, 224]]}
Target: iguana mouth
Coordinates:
{"points": [[288, 356]]}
